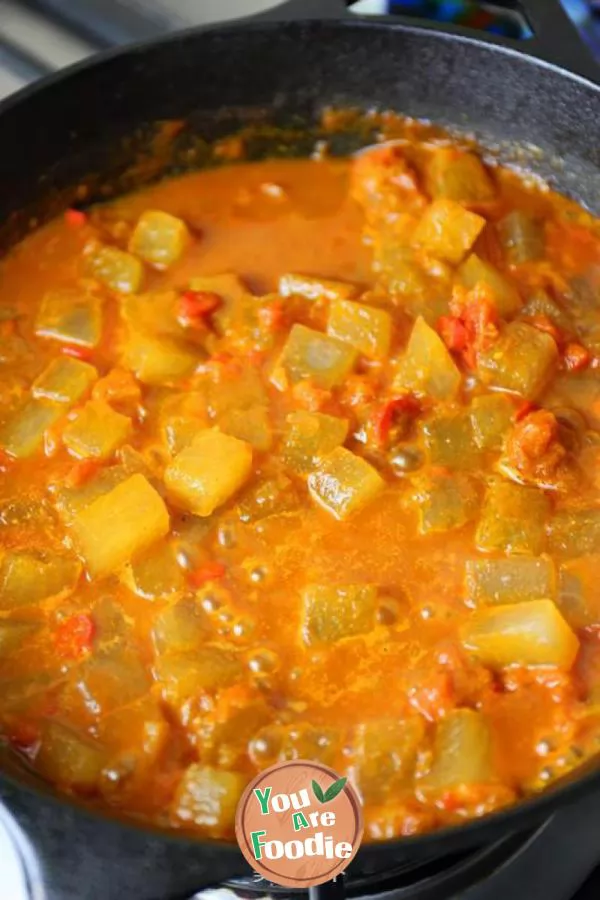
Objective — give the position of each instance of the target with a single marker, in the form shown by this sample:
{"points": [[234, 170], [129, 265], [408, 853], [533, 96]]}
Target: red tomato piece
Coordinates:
{"points": [[391, 412], [195, 307], [74, 636], [210, 571], [75, 218]]}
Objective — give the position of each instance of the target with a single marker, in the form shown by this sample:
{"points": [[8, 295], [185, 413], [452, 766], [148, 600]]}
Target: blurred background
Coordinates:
{"points": [[40, 36]]}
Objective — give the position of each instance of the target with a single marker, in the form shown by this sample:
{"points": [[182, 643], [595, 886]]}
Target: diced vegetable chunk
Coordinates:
{"points": [[158, 360], [70, 317], [522, 237], [97, 431], [250, 425], [242, 388], [506, 297], [180, 628], [427, 366], [120, 271], [116, 526], [521, 634], [309, 436], [344, 483], [65, 380], [291, 285], [181, 417], [491, 417], [208, 472], [462, 752], [578, 595], [513, 519], [540, 304], [444, 502], [28, 578], [448, 231], [13, 634], [460, 176], [385, 756], [155, 573], [449, 441], [189, 674], [575, 532], [24, 434], [522, 360], [366, 328], [208, 798], [111, 680], [159, 238], [330, 613], [312, 355], [67, 757], [493, 581], [270, 497]]}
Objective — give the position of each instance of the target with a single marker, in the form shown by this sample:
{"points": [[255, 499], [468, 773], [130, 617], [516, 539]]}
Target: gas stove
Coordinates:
{"points": [[558, 861]]}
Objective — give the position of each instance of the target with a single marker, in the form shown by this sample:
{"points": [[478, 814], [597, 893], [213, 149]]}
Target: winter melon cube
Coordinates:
{"points": [[23, 435], [13, 634], [575, 532], [521, 634], [65, 380], [115, 269], [187, 674], [309, 354], [158, 360], [506, 297], [459, 176], [159, 238], [462, 752], [293, 285], [67, 757], [448, 231], [250, 425], [366, 328], [28, 578], [444, 502], [491, 417], [309, 436], [385, 756], [522, 360], [330, 613], [513, 519], [116, 526], [155, 573], [207, 799], [344, 483], [449, 441], [208, 472], [70, 317], [427, 366], [97, 431], [493, 581]]}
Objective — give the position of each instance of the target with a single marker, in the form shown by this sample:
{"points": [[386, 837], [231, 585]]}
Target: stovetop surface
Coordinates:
{"points": [[560, 861]]}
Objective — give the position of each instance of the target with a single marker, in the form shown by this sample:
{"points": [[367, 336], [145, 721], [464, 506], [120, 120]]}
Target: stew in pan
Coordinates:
{"points": [[301, 459]]}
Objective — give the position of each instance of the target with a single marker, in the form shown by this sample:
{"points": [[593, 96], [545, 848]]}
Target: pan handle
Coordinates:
{"points": [[556, 39]]}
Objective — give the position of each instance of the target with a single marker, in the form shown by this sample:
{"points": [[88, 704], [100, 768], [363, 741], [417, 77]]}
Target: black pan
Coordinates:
{"points": [[90, 122]]}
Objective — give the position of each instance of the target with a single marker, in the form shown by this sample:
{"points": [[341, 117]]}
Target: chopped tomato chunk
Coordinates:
{"points": [[210, 571], [74, 636]]}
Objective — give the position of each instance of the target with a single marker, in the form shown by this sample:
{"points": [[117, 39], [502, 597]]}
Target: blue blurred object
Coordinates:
{"points": [[495, 16]]}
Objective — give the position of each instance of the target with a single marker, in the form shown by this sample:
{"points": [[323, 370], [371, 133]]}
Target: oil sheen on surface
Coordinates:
{"points": [[300, 459]]}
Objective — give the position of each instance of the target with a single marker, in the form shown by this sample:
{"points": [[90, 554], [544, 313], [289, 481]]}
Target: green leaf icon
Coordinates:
{"points": [[334, 789], [318, 792]]}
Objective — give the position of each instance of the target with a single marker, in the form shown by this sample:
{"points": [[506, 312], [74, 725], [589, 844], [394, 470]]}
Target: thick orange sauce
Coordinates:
{"points": [[85, 693]]}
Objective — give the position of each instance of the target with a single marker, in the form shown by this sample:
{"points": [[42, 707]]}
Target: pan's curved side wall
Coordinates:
{"points": [[89, 125]]}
